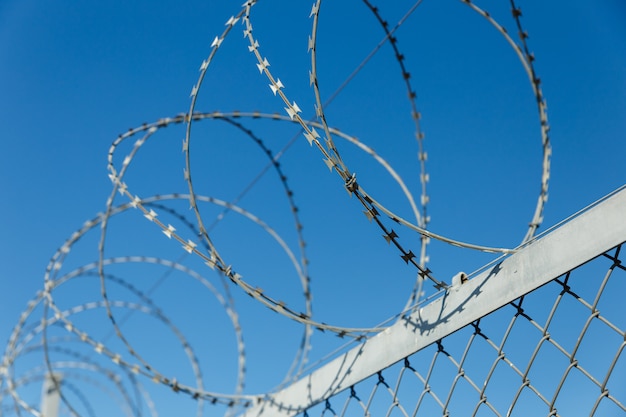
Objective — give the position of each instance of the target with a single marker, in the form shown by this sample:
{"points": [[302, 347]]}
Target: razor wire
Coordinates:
{"points": [[97, 354]]}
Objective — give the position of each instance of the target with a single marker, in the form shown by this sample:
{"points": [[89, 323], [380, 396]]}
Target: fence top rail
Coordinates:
{"points": [[584, 236]]}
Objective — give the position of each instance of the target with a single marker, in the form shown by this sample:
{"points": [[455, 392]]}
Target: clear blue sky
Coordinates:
{"points": [[75, 75]]}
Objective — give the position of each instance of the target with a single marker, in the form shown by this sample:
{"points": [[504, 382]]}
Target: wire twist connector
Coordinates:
{"points": [[351, 184]]}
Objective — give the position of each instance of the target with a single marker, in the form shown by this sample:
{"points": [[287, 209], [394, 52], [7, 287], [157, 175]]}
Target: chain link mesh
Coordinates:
{"points": [[557, 351]]}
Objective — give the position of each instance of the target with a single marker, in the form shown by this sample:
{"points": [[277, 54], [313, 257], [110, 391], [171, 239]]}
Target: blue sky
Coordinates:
{"points": [[75, 76]]}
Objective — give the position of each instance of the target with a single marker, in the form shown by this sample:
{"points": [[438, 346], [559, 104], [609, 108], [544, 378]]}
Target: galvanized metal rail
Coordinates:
{"points": [[585, 236]]}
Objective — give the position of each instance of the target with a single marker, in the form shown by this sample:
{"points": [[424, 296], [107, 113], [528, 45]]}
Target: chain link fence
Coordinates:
{"points": [[539, 333], [557, 351]]}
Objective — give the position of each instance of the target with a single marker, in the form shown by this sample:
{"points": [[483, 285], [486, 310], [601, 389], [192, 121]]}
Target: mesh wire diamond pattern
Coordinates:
{"points": [[557, 351]]}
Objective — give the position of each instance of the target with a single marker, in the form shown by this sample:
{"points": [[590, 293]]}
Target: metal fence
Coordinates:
{"points": [[554, 350]]}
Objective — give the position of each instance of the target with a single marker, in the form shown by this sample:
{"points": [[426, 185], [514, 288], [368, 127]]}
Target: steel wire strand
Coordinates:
{"points": [[104, 262], [191, 247]]}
